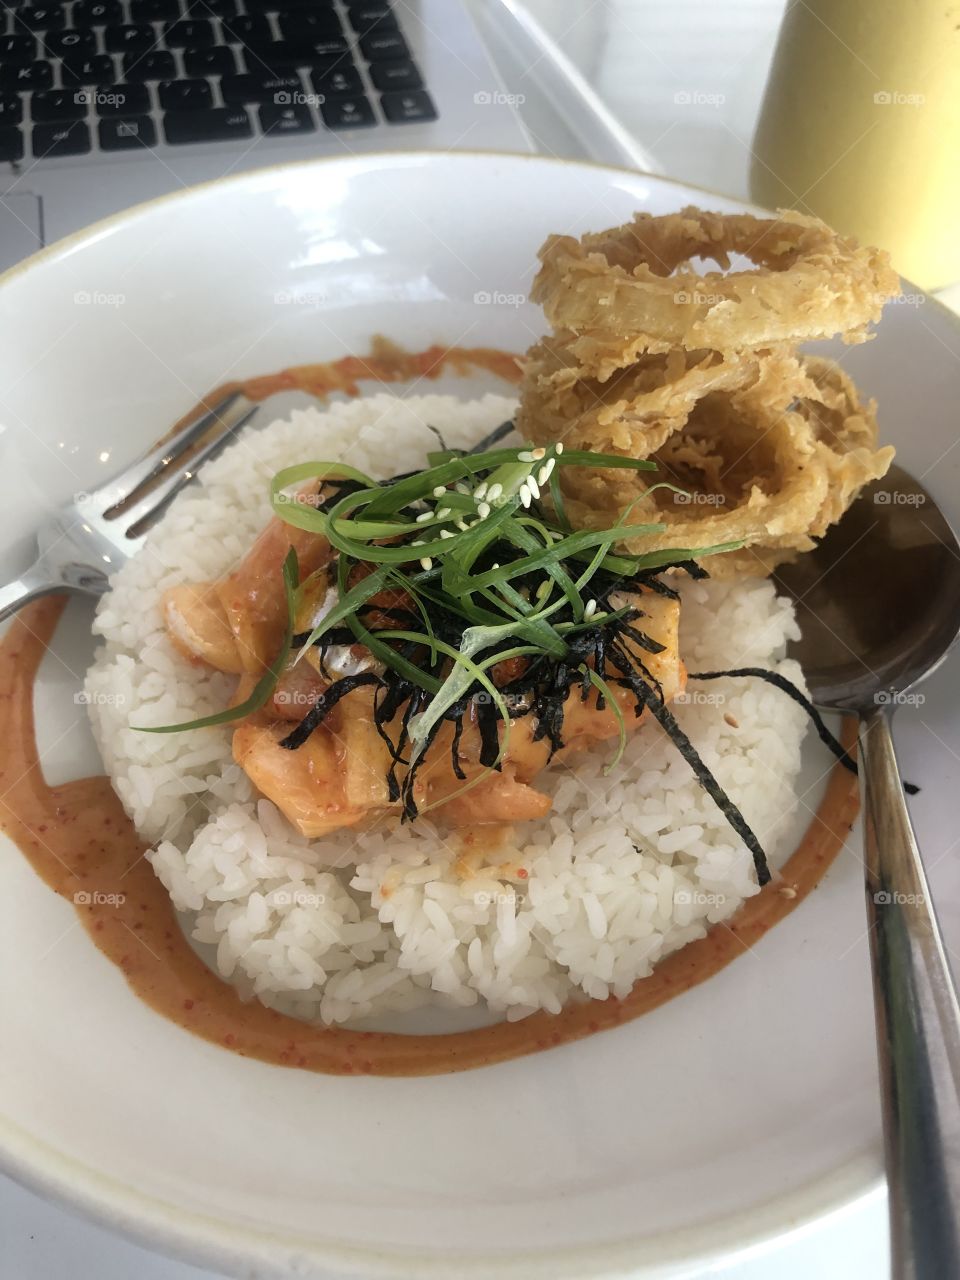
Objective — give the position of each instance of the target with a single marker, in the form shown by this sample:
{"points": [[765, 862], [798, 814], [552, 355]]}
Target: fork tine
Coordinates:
{"points": [[157, 460], [145, 512]]}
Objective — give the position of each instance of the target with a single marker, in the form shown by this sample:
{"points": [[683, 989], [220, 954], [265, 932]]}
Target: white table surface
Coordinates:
{"points": [[642, 57]]}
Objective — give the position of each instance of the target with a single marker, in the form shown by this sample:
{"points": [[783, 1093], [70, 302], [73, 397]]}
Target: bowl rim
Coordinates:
{"points": [[208, 1241]]}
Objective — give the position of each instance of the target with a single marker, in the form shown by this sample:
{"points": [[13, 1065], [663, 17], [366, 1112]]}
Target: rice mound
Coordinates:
{"points": [[625, 869]]}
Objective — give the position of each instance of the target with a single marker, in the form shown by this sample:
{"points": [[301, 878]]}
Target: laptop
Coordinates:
{"points": [[106, 103]]}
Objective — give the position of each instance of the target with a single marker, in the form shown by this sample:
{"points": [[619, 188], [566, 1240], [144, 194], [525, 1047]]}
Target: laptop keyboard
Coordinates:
{"points": [[121, 75]]}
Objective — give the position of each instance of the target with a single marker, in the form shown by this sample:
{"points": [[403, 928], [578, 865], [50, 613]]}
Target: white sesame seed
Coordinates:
{"points": [[538, 454], [439, 491], [461, 524], [590, 609], [417, 542], [426, 562], [445, 533], [558, 448], [495, 566], [481, 490], [543, 475], [483, 510], [533, 486], [494, 492], [462, 488], [424, 517], [524, 456], [444, 512], [524, 495]]}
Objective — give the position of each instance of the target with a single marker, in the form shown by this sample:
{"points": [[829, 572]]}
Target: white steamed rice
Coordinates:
{"points": [[625, 869]]}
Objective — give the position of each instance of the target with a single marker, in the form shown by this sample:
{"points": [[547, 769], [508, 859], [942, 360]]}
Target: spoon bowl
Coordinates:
{"points": [[878, 600]]}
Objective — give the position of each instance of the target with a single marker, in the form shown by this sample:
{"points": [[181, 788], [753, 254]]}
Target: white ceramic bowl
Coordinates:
{"points": [[731, 1114]]}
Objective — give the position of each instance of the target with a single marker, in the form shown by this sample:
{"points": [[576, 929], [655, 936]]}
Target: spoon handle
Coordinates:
{"points": [[918, 1025]]}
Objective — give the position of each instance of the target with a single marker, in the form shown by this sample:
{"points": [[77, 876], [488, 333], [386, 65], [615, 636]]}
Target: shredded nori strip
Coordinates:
{"points": [[791, 690], [706, 779], [324, 705]]}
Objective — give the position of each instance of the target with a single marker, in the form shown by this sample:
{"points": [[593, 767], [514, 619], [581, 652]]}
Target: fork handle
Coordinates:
{"points": [[29, 586], [918, 1025]]}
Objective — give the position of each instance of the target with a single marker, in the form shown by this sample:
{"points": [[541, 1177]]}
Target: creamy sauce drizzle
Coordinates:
{"points": [[78, 839]]}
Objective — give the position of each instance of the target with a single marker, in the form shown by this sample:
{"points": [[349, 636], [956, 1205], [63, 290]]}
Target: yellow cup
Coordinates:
{"points": [[860, 125]]}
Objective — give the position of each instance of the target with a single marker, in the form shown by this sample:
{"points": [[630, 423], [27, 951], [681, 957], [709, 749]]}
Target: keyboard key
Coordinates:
{"points": [[185, 95], [154, 10], [70, 139], [411, 107], [218, 61], [324, 47], [35, 75], [17, 51], [309, 24], [67, 44], [189, 35], [395, 75], [258, 87], [122, 100], [11, 111], [139, 38], [383, 44], [158, 65], [276, 53], [48, 17], [127, 135], [97, 13], [204, 8], [331, 78], [96, 70], [277, 121], [58, 104], [11, 143], [219, 124], [246, 30], [367, 18], [347, 111]]}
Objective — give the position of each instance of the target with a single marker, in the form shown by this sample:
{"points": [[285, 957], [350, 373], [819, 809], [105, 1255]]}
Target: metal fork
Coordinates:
{"points": [[87, 540]]}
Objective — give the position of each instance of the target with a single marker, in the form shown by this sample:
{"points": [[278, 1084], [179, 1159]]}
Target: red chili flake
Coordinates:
{"points": [[522, 873]]}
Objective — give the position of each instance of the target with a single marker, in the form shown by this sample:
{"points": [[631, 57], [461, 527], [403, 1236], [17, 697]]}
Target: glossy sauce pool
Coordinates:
{"points": [[78, 839]]}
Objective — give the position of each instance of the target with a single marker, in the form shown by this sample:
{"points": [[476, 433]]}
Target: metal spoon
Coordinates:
{"points": [[879, 605]]}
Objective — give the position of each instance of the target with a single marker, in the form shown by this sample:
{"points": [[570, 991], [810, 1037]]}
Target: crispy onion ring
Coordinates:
{"points": [[630, 290], [774, 478], [634, 412]]}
